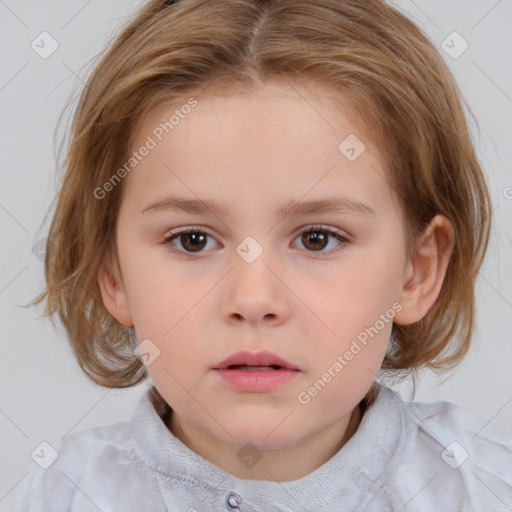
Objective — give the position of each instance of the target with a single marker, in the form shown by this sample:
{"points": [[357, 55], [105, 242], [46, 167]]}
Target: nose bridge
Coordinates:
{"points": [[251, 272], [255, 293]]}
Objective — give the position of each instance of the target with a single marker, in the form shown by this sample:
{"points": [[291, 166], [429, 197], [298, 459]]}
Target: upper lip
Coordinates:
{"points": [[264, 358]]}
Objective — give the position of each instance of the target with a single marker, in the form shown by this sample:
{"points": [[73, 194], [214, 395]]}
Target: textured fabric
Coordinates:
{"points": [[405, 456]]}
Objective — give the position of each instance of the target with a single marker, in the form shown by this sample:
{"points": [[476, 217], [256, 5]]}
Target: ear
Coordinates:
{"points": [[112, 290], [425, 274]]}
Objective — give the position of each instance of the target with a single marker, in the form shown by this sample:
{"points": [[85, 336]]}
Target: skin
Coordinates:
{"points": [[306, 303]]}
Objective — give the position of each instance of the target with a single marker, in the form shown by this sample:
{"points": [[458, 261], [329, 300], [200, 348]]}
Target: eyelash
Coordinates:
{"points": [[314, 228]]}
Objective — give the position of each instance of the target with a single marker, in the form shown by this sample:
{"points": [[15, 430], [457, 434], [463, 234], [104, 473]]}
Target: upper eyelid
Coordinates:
{"points": [[305, 228]]}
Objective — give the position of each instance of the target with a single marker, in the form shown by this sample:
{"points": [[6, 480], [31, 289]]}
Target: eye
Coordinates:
{"points": [[191, 239], [316, 238]]}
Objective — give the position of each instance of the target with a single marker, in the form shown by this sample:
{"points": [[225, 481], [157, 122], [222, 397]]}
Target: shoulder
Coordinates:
{"points": [[91, 446], [61, 469], [451, 450], [462, 434]]}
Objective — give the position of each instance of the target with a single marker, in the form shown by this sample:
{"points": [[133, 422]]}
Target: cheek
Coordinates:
{"points": [[166, 308], [356, 309], [355, 295], [165, 313], [156, 292], [375, 277]]}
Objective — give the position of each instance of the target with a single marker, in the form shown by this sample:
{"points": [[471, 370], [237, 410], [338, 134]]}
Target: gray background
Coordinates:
{"points": [[43, 394]]}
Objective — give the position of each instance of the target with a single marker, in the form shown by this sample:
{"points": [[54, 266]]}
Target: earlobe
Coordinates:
{"points": [[113, 292], [426, 272]]}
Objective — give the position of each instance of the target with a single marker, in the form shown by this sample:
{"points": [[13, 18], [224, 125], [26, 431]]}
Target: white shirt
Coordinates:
{"points": [[405, 457]]}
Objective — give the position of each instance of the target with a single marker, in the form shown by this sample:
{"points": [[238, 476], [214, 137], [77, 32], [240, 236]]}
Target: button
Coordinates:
{"points": [[232, 501]]}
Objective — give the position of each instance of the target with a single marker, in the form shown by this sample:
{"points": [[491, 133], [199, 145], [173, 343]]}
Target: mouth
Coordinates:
{"points": [[254, 368], [261, 372], [260, 361]]}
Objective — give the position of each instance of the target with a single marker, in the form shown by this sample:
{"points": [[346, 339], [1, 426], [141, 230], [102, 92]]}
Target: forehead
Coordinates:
{"points": [[321, 103], [260, 144]]}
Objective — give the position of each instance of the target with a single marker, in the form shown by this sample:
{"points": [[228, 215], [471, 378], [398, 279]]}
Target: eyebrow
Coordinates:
{"points": [[289, 209]]}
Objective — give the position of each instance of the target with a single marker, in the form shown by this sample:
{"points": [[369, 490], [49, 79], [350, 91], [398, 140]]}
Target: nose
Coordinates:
{"points": [[255, 294]]}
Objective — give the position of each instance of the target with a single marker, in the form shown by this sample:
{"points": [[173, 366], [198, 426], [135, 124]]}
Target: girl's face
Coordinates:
{"points": [[318, 287]]}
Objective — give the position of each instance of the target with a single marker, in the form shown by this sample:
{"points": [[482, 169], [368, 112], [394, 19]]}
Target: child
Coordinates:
{"points": [[267, 203]]}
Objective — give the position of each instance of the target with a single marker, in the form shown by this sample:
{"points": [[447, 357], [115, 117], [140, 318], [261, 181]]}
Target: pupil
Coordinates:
{"points": [[318, 239], [197, 241]]}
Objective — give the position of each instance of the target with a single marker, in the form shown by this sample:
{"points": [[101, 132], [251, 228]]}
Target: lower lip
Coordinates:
{"points": [[256, 381]]}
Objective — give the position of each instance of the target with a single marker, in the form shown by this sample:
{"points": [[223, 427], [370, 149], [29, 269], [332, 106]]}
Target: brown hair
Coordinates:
{"points": [[368, 50]]}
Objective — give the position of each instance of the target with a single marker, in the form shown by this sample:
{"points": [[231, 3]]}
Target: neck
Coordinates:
{"points": [[281, 464]]}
